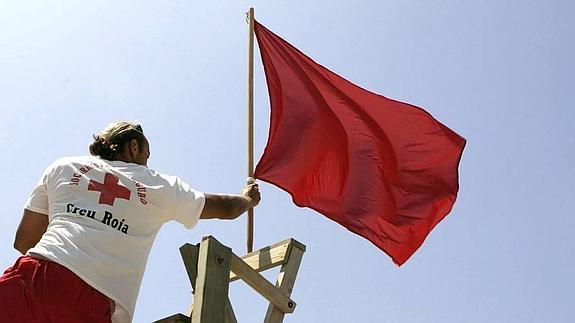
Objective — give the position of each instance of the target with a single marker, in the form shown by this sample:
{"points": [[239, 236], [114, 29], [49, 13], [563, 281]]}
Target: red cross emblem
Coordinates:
{"points": [[110, 190]]}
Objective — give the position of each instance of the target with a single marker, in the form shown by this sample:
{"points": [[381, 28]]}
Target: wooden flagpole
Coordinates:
{"points": [[250, 242]]}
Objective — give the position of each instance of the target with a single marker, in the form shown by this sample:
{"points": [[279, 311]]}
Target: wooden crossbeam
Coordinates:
{"points": [[285, 282], [262, 285], [269, 257]]}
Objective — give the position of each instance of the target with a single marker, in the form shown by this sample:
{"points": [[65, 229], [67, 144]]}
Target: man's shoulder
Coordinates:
{"points": [[76, 159], [72, 160], [161, 177]]}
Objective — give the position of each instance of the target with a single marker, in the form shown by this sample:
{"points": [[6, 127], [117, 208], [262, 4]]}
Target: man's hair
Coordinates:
{"points": [[110, 141]]}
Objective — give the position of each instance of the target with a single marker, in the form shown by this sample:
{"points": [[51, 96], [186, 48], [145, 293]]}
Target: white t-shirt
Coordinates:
{"points": [[103, 217]]}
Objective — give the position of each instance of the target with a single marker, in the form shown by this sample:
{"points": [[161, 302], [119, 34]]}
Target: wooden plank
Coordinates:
{"points": [[269, 257], [211, 292], [262, 285], [285, 282], [177, 318], [189, 255], [230, 316]]}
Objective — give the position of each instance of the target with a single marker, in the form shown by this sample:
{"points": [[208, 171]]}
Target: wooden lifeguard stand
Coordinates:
{"points": [[211, 266]]}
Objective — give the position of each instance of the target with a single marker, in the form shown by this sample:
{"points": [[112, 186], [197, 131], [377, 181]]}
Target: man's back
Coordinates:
{"points": [[103, 218]]}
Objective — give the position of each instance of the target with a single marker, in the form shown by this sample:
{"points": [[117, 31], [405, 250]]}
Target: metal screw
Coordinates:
{"points": [[290, 304], [219, 259]]}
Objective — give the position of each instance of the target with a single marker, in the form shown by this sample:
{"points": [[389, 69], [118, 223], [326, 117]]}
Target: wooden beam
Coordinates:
{"points": [[269, 257], [190, 254], [262, 285], [211, 293], [177, 318], [285, 282], [230, 315]]}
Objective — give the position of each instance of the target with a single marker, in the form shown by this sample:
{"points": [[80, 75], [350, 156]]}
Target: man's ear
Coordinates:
{"points": [[134, 146]]}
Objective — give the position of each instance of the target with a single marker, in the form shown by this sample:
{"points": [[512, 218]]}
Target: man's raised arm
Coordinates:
{"points": [[230, 206]]}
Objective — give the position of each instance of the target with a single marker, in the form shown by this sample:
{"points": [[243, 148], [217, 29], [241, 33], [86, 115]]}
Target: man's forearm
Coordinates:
{"points": [[230, 206], [225, 206]]}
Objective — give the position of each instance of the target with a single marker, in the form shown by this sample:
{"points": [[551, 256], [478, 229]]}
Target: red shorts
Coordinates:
{"points": [[34, 291]]}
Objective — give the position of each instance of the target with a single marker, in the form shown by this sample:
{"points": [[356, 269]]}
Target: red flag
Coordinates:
{"points": [[383, 169]]}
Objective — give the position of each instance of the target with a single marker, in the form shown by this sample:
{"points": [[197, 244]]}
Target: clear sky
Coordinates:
{"points": [[500, 73]]}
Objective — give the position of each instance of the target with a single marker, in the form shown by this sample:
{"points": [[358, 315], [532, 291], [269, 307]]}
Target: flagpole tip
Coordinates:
{"points": [[250, 15]]}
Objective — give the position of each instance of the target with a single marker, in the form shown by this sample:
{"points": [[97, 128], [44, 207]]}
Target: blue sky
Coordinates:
{"points": [[500, 73]]}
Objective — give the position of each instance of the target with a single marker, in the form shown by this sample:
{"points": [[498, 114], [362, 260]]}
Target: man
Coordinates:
{"points": [[88, 228]]}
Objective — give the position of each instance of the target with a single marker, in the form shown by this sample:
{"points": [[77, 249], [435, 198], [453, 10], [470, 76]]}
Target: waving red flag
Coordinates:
{"points": [[383, 169]]}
